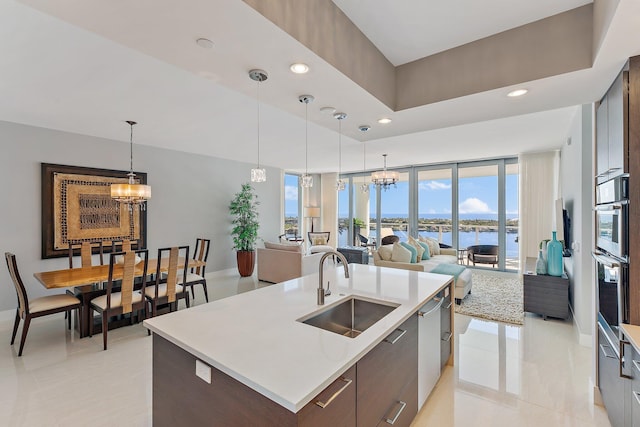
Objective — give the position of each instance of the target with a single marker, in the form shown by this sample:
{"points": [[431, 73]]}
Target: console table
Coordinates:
{"points": [[355, 254], [545, 295]]}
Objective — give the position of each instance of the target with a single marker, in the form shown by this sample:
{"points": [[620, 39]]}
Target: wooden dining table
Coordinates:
{"points": [[87, 283]]}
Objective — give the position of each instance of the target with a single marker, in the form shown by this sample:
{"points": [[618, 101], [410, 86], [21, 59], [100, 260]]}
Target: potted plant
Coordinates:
{"points": [[245, 228]]}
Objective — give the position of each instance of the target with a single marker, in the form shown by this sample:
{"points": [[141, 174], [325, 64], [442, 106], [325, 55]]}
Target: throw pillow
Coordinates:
{"points": [[414, 252], [434, 246], [385, 252], [400, 254], [427, 253], [318, 240], [418, 247]]}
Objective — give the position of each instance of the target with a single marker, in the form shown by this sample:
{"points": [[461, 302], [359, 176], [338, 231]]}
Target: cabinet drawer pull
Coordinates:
{"points": [[346, 381], [604, 348], [446, 336], [621, 361], [636, 364], [395, 418], [637, 396], [397, 338]]}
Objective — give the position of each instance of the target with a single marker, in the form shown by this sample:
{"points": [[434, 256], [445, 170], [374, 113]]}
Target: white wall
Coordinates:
{"points": [[190, 197], [577, 192]]}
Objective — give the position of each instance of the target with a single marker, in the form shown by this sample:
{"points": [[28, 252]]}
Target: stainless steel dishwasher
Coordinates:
{"points": [[428, 347]]}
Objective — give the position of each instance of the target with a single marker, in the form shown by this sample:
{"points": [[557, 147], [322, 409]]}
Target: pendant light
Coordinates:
{"points": [[132, 193], [258, 174], [306, 180], [340, 184], [385, 178], [364, 187]]}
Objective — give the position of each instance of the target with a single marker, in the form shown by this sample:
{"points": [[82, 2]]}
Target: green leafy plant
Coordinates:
{"points": [[245, 222]]}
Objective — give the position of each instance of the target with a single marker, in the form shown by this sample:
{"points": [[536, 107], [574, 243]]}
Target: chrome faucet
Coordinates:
{"points": [[321, 292]]}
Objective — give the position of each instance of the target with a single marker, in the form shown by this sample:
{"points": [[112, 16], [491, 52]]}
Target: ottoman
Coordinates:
{"points": [[462, 284]]}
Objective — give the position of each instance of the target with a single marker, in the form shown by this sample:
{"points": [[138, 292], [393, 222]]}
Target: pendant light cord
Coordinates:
{"points": [[339, 148], [258, 97], [131, 149], [306, 138]]}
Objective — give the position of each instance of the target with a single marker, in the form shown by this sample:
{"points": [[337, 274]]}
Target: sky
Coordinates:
{"points": [[477, 195]]}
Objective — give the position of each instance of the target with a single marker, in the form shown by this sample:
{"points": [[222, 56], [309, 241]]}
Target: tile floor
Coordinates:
{"points": [[534, 375]]}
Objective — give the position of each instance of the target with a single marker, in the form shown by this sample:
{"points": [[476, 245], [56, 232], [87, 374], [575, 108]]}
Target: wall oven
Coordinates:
{"points": [[612, 282], [612, 217], [611, 255]]}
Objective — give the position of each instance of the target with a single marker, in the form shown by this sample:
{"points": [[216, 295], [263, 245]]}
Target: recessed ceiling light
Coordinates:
{"points": [[204, 43], [517, 92], [384, 120], [299, 68], [327, 110]]}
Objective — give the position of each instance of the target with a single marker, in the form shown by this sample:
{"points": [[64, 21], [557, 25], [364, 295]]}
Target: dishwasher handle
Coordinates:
{"points": [[437, 307]]}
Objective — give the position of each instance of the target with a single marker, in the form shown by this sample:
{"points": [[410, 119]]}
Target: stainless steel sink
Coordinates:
{"points": [[351, 317]]}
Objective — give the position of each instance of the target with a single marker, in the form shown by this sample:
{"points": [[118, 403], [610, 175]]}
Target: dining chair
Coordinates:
{"points": [[196, 275], [166, 289], [126, 300], [86, 252], [123, 245], [37, 307]]}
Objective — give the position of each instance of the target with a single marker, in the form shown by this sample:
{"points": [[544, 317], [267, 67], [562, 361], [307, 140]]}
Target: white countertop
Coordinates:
{"points": [[632, 333], [254, 336]]}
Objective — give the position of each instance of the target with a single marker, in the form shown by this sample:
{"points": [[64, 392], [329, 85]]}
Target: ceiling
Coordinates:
{"points": [[85, 66]]}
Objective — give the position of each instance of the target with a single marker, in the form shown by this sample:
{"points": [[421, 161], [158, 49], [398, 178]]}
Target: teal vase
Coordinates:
{"points": [[554, 257]]}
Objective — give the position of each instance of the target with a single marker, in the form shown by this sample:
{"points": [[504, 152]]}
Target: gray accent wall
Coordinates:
{"points": [[190, 197]]}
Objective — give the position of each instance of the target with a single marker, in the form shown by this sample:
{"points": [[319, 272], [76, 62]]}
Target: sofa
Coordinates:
{"points": [[279, 262], [446, 255]]}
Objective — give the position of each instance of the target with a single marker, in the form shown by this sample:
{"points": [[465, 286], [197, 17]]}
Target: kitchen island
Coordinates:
{"points": [[256, 344]]}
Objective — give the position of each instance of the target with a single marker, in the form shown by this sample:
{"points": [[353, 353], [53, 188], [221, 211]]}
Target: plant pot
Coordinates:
{"points": [[246, 260]]}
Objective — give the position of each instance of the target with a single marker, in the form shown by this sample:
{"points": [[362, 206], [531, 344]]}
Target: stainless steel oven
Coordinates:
{"points": [[612, 217], [612, 294]]}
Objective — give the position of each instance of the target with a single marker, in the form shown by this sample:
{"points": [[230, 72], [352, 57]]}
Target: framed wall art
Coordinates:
{"points": [[77, 207]]}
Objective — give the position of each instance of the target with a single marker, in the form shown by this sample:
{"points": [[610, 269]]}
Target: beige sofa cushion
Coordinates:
{"points": [[400, 254], [419, 248], [385, 252], [434, 246]]}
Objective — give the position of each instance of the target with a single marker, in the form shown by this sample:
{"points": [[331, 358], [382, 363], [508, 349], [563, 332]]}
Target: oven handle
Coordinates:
{"points": [[603, 259], [610, 207]]}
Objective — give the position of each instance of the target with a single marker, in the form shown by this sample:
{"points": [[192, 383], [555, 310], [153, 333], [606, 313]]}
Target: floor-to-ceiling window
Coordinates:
{"points": [[435, 214], [459, 204], [343, 215], [292, 205], [394, 208], [478, 205]]}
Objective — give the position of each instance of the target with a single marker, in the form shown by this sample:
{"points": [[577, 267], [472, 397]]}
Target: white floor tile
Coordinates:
{"points": [[504, 375]]}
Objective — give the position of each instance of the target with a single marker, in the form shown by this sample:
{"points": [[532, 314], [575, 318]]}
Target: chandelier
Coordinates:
{"points": [[340, 184], [133, 193], [306, 180], [258, 174], [385, 178]]}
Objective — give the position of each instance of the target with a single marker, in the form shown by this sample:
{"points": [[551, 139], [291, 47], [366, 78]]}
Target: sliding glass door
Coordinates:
{"points": [[435, 215]]}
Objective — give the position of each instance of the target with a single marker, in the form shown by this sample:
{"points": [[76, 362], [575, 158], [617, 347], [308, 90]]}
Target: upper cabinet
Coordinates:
{"points": [[612, 142]]}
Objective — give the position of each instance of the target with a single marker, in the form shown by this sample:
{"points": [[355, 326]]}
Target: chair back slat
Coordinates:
{"points": [[201, 253], [128, 276], [23, 301], [172, 274], [86, 252], [173, 266]]}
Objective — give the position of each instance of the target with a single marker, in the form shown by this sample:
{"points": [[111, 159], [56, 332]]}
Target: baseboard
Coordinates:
{"points": [[583, 339]]}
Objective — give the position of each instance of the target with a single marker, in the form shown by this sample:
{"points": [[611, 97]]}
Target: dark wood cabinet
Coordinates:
{"points": [[335, 406], [610, 383], [545, 295], [387, 386], [612, 142]]}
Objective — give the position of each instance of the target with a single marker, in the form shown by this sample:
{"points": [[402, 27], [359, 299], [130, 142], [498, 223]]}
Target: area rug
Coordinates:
{"points": [[494, 296]]}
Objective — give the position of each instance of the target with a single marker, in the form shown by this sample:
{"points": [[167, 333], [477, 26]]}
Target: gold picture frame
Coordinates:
{"points": [[77, 207]]}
